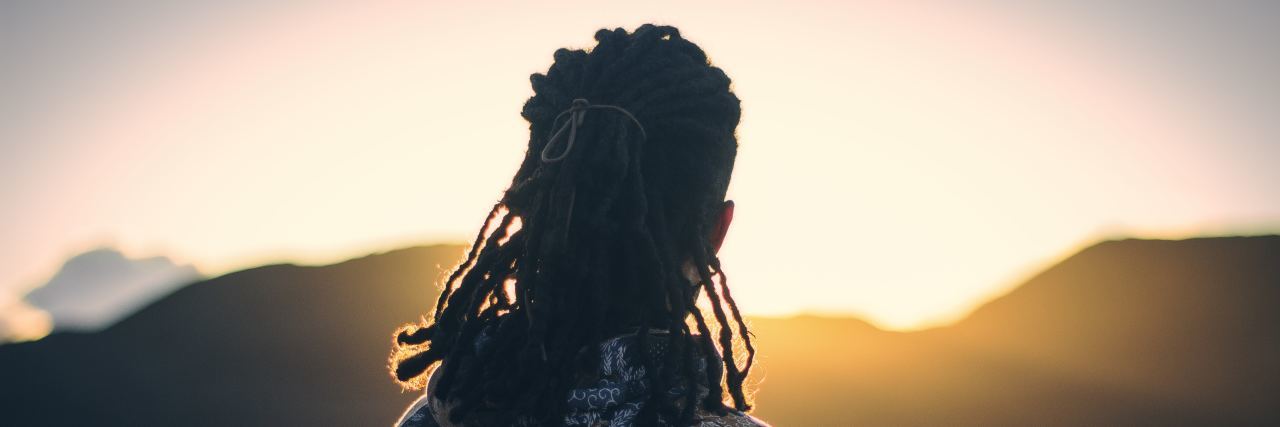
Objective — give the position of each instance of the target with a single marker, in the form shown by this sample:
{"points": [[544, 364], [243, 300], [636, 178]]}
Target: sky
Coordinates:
{"points": [[899, 161]]}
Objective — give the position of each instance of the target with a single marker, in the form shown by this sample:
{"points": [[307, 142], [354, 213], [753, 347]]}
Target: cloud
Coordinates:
{"points": [[95, 289]]}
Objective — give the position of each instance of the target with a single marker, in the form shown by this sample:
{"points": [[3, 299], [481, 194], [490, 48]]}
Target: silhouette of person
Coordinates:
{"points": [[577, 302]]}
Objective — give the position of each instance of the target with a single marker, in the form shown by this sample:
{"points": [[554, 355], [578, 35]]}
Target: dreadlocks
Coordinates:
{"points": [[597, 242]]}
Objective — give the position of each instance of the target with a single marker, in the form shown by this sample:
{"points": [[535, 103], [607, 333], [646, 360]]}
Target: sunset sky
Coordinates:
{"points": [[899, 162]]}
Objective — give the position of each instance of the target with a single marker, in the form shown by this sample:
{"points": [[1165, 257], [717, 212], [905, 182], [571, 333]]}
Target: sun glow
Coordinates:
{"points": [[897, 162]]}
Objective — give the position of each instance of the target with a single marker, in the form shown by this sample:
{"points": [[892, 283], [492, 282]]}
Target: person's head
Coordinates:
{"points": [[611, 224]]}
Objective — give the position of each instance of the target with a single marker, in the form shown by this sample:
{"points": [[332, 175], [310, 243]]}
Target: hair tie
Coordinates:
{"points": [[577, 112]]}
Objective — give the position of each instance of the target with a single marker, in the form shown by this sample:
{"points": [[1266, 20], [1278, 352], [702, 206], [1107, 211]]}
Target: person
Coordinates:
{"points": [[578, 302]]}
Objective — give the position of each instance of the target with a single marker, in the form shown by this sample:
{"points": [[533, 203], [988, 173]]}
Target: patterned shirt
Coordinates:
{"points": [[615, 398]]}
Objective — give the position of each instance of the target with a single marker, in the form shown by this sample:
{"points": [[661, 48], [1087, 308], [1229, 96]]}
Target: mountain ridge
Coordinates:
{"points": [[292, 344]]}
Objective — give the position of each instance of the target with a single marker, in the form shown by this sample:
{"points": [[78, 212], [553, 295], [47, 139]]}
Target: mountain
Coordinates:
{"points": [[1130, 332], [1124, 332], [94, 289], [1192, 326], [273, 345]]}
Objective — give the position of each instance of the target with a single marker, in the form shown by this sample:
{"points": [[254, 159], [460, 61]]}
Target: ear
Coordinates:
{"points": [[721, 227]]}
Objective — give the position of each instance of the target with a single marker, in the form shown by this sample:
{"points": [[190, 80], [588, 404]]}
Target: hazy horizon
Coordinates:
{"points": [[1133, 332]]}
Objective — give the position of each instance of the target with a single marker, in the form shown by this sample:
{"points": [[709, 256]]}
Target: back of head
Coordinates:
{"points": [[630, 151]]}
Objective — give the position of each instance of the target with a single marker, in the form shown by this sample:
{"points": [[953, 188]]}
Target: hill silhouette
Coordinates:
{"points": [[1132, 332], [278, 344], [1124, 332]]}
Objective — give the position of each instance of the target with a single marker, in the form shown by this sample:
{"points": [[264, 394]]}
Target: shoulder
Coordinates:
{"points": [[422, 413], [731, 419], [419, 414]]}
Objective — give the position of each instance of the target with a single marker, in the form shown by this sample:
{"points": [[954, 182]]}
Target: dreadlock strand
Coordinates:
{"points": [[734, 376], [737, 315], [466, 264]]}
